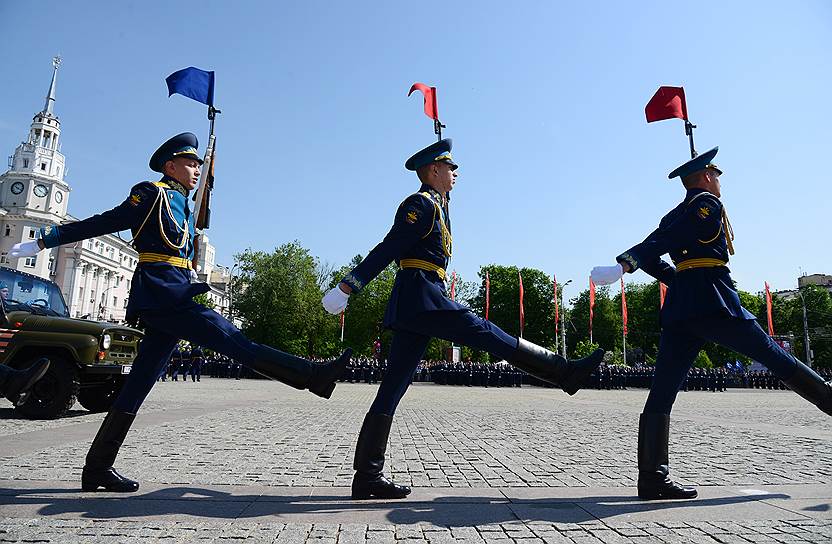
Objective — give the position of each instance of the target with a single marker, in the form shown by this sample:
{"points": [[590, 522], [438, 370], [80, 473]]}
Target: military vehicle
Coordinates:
{"points": [[90, 359]]}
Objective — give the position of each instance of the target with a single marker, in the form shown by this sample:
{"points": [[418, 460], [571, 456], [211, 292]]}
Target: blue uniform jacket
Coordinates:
{"points": [[692, 230], [158, 215], [421, 235]]}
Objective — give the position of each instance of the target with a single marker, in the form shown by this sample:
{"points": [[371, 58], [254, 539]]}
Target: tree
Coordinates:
{"points": [[504, 310], [203, 299], [606, 328], [278, 299], [363, 319]]}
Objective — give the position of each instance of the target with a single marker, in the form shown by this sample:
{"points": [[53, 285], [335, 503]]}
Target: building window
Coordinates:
{"points": [[30, 262], [32, 233], [4, 258], [92, 297], [25, 163], [8, 230], [80, 293], [125, 303], [43, 166], [115, 302]]}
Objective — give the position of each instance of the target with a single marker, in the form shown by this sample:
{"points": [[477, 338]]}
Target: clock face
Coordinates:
{"points": [[41, 190], [17, 187], [59, 197]]}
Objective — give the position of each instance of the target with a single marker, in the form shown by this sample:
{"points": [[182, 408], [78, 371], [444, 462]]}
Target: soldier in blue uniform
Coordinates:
{"points": [[419, 308], [701, 305], [161, 301]]}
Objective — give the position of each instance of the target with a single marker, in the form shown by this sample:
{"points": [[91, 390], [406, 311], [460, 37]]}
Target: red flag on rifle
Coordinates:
{"points": [[591, 304], [430, 99], [623, 307], [662, 293], [522, 311], [453, 286], [667, 103], [768, 311], [487, 293]]}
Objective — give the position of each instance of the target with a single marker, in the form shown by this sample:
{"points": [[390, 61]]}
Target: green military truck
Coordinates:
{"points": [[90, 359]]}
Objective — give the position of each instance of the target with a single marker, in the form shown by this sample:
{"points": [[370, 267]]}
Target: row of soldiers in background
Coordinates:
{"points": [[184, 361], [369, 370], [609, 377]]}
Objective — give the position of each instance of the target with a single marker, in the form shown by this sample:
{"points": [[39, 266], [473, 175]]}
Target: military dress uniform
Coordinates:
{"points": [[420, 242], [701, 305], [161, 301]]}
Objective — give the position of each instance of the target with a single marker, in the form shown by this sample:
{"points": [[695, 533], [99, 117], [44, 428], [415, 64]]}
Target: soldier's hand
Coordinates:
{"points": [[25, 249], [605, 275], [335, 300]]}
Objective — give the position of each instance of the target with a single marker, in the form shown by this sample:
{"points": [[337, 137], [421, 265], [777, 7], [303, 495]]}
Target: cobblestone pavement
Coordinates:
{"points": [[226, 460]]}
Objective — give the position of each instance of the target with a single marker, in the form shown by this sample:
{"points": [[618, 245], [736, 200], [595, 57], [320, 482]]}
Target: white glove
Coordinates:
{"points": [[605, 275], [25, 249], [194, 276], [335, 300]]}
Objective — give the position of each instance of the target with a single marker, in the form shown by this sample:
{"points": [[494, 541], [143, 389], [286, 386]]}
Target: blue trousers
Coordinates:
{"points": [[192, 322], [681, 342], [411, 339]]}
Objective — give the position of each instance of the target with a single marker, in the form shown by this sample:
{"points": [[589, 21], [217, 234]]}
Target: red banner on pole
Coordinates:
{"points": [[430, 99], [453, 286], [623, 308], [557, 308], [667, 103], [487, 294], [662, 294], [522, 311], [591, 305], [768, 311]]}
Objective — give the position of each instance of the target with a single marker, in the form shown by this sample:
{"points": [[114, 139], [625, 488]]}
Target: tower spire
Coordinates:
{"points": [[50, 97]]}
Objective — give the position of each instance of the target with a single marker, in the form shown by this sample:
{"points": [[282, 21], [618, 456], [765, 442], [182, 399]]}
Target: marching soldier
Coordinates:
{"points": [[419, 308], [161, 299], [701, 305]]}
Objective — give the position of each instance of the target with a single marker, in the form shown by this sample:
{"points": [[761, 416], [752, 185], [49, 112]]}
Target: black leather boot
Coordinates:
{"points": [[297, 372], [551, 367], [809, 385], [369, 481], [16, 384], [653, 469], [99, 471]]}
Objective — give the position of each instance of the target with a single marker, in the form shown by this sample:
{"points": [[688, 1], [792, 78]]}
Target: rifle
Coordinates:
{"points": [[202, 197]]}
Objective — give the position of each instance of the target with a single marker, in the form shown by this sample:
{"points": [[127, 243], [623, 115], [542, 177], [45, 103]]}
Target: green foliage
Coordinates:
{"points": [[538, 302], [584, 348], [702, 360], [278, 297], [203, 299], [365, 312]]}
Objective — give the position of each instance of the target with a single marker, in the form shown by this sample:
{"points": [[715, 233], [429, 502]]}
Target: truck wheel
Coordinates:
{"points": [[100, 398], [54, 394]]}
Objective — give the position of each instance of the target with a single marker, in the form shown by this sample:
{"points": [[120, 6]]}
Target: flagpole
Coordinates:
{"points": [[689, 132]]}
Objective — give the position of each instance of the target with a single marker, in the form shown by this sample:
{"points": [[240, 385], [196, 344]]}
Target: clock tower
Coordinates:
{"points": [[33, 192]]}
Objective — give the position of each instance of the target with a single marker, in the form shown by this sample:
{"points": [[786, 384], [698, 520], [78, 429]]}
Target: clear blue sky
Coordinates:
{"points": [[544, 100]]}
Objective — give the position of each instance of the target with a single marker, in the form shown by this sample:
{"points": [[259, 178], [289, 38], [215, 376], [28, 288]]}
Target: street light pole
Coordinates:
{"points": [[805, 330], [230, 288]]}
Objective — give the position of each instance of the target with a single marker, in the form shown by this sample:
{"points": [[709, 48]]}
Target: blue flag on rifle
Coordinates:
{"points": [[193, 83]]}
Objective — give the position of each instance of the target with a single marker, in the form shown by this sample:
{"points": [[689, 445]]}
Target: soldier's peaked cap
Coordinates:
{"points": [[700, 162], [181, 145], [436, 152]]}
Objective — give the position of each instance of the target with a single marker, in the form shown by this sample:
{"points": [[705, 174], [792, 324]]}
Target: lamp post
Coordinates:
{"points": [[805, 330], [230, 288], [563, 316]]}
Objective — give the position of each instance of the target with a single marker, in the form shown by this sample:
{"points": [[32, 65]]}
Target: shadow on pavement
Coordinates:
{"points": [[444, 511]]}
